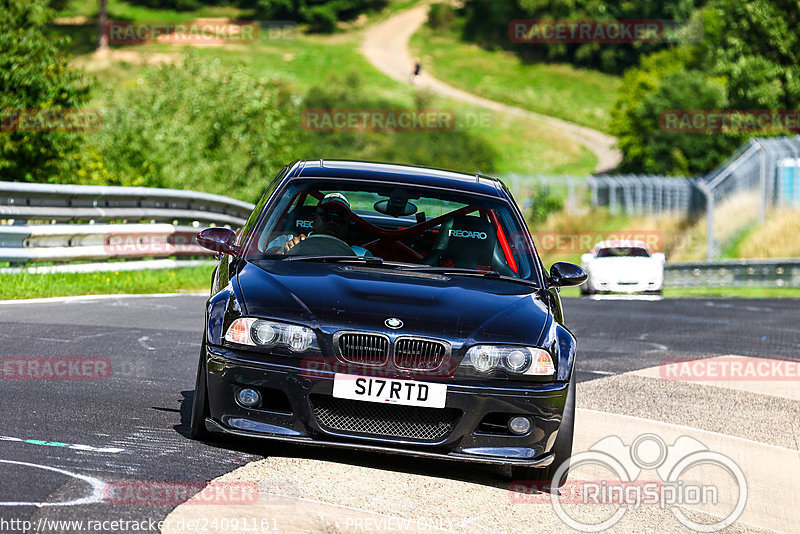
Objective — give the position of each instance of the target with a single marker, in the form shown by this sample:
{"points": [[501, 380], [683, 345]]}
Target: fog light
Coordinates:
{"points": [[519, 425], [249, 397]]}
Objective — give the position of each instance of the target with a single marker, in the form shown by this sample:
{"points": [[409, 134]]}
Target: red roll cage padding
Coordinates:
{"points": [[394, 236], [389, 235], [501, 237]]}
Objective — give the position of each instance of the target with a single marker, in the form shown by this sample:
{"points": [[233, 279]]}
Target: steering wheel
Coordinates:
{"points": [[321, 245]]}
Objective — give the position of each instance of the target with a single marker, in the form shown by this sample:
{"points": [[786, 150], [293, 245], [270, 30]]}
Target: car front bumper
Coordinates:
{"points": [[295, 415], [625, 286]]}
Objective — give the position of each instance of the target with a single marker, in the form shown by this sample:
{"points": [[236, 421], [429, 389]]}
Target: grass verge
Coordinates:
{"points": [[28, 286], [197, 279], [716, 292], [122, 10], [581, 96], [303, 61], [735, 292]]}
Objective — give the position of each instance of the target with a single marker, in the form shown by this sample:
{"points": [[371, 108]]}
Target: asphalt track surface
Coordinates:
{"points": [[61, 440]]}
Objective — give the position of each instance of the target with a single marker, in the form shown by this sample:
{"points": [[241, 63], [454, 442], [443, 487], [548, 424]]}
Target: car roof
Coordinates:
{"points": [[401, 174]]}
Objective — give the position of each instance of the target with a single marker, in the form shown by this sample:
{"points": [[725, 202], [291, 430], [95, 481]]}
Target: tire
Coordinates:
{"points": [[562, 448], [200, 408]]}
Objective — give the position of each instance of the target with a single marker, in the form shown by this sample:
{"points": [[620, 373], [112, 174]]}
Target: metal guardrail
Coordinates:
{"points": [[121, 235], [73, 242], [118, 222], [766, 166], [24, 202], [734, 273]]}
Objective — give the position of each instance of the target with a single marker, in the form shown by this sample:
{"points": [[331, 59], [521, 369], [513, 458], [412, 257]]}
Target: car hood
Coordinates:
{"points": [[342, 297]]}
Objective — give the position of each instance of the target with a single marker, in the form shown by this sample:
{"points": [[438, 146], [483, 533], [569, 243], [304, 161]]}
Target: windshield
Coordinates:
{"points": [[636, 252], [324, 219]]}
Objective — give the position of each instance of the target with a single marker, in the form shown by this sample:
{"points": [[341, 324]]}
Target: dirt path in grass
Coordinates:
{"points": [[386, 47]]}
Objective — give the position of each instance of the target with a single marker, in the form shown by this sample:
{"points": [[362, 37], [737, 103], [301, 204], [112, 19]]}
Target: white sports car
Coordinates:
{"points": [[622, 266]]}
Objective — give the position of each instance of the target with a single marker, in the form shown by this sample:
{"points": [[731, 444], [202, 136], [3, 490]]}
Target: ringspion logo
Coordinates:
{"points": [[689, 474]]}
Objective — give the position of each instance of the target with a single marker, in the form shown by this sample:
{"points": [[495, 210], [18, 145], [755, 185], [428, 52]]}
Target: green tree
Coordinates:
{"points": [[322, 15], [650, 148], [35, 75], [754, 45], [747, 59], [487, 23]]}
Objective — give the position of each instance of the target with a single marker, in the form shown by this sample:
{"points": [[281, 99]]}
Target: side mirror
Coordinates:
{"points": [[563, 274], [218, 240], [660, 257]]}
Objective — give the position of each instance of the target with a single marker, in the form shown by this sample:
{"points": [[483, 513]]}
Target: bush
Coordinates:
{"points": [[177, 5], [746, 60], [320, 18], [198, 126], [544, 203], [35, 74], [648, 148], [446, 149], [487, 22], [321, 15], [441, 16]]}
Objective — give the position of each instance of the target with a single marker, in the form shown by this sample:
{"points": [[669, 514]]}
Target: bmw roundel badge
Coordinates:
{"points": [[394, 323]]}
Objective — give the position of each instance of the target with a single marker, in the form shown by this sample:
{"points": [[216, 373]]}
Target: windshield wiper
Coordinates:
{"points": [[374, 261], [368, 260], [459, 271]]}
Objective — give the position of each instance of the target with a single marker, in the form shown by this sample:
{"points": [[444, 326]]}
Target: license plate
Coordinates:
{"points": [[389, 391]]}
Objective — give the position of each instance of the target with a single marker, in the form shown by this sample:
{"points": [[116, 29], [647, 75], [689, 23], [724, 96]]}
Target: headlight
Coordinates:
{"points": [[269, 334], [513, 360]]}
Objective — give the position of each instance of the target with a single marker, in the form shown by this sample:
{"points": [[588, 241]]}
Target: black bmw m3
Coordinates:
{"points": [[389, 308]]}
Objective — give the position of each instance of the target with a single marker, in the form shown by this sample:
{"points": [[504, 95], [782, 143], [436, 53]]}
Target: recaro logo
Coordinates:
{"points": [[467, 233], [304, 224]]}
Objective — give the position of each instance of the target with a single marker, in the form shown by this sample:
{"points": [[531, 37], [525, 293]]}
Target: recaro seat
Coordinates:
{"points": [[298, 221], [468, 242]]}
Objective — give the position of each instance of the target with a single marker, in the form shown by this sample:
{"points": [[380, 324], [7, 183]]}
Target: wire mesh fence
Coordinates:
{"points": [[765, 171]]}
